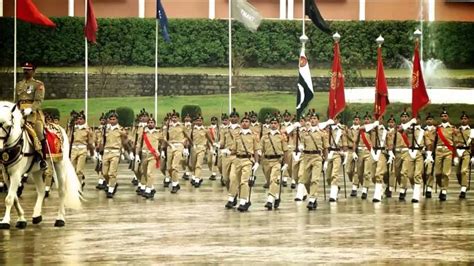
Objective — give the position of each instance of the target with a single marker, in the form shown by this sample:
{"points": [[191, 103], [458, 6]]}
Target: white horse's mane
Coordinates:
{"points": [[6, 114]]}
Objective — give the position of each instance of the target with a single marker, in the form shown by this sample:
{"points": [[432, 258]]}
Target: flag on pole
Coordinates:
{"points": [[305, 85], [419, 94], [337, 99], [27, 11], [90, 30], [247, 14], [161, 15], [313, 13], [381, 91]]}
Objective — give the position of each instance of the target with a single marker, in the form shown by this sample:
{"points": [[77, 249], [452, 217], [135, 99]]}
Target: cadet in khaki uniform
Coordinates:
{"points": [[228, 156], [463, 151], [176, 141], [148, 155], [82, 141], [352, 135], [199, 139], [378, 157], [212, 153], [224, 128], [246, 148], [362, 155], [289, 158], [99, 142], [337, 140], [139, 179], [255, 126], [445, 150], [400, 146], [314, 145], [115, 137], [188, 125], [166, 179], [430, 133], [274, 148], [29, 94]]}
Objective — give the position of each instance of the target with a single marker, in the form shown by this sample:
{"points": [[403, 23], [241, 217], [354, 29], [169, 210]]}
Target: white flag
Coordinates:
{"points": [[305, 85], [247, 14]]}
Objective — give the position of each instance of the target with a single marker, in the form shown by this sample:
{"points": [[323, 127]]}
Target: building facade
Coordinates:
{"points": [[429, 10]]}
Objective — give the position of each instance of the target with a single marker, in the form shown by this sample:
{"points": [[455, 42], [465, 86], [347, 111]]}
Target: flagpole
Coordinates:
{"points": [[86, 64], [230, 56], [14, 54], [303, 18], [156, 69]]}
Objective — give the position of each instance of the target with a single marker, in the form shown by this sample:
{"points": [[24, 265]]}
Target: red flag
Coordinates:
{"points": [[381, 91], [91, 27], [419, 95], [27, 11], [337, 100]]}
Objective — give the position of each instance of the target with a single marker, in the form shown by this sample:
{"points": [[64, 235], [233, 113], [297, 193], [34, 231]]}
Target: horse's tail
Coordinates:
{"points": [[72, 194]]}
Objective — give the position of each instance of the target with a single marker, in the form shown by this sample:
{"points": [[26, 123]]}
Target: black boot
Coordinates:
{"points": [[175, 189], [269, 206], [41, 156], [388, 193], [462, 195], [428, 195], [212, 177], [354, 193], [276, 204]]}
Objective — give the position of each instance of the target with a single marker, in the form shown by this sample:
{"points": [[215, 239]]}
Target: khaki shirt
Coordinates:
{"points": [[83, 136], [279, 147], [320, 140], [199, 137], [463, 138], [250, 140], [351, 136], [449, 134], [155, 136], [332, 135], [368, 136], [229, 135], [430, 134], [175, 133], [115, 137], [30, 94], [256, 128]]}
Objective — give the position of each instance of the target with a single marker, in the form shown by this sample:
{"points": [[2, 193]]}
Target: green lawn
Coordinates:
{"points": [[443, 73], [214, 105]]}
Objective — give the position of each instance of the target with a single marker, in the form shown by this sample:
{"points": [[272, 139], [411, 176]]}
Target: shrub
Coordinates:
{"points": [[264, 111], [126, 116], [53, 112], [192, 110]]}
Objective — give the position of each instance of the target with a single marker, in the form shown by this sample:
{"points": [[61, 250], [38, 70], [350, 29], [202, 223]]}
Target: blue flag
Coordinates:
{"points": [[161, 15]]}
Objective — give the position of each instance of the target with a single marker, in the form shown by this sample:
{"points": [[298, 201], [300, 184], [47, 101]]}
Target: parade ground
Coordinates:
{"points": [[193, 227]]}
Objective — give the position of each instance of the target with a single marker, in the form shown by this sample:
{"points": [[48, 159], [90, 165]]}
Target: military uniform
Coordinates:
{"points": [[274, 147], [337, 140], [148, 158], [288, 156], [175, 136], [362, 154], [199, 139], [139, 175], [83, 140], [227, 142], [445, 152], [352, 135], [212, 154], [464, 149], [99, 142], [184, 160], [430, 133], [379, 159]]}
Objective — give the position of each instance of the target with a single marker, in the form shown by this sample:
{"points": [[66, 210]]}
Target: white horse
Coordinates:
{"points": [[17, 157]]}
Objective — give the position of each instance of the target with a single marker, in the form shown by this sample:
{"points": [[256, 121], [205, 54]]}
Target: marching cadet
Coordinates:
{"points": [[188, 125], [444, 152], [283, 126], [378, 156], [274, 148], [246, 148], [115, 138], [255, 126], [212, 154], [148, 154], [352, 135], [30, 95], [314, 145], [81, 142], [362, 148], [265, 128], [296, 131], [430, 133], [99, 139], [137, 131], [198, 139], [226, 144], [224, 128], [175, 142], [464, 152], [167, 179], [335, 157]]}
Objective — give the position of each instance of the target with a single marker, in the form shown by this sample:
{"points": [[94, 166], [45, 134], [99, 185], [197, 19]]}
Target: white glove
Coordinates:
{"points": [[284, 167], [429, 157], [296, 124], [259, 152], [412, 121], [27, 111], [163, 155], [216, 144], [186, 152], [301, 147], [374, 155], [226, 152], [355, 157], [325, 166], [330, 122], [459, 152], [456, 160], [96, 156], [296, 156], [391, 157], [330, 155], [131, 156], [412, 153], [137, 159], [255, 167], [376, 123], [346, 156], [214, 153], [472, 161]]}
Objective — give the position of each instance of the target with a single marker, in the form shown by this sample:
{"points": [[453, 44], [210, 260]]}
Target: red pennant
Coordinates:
{"points": [[337, 100], [381, 91], [91, 27], [27, 11], [419, 95]]}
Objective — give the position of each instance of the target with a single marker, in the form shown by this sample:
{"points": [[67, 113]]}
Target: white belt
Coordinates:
{"points": [[362, 148], [441, 147], [111, 151], [401, 149], [79, 146]]}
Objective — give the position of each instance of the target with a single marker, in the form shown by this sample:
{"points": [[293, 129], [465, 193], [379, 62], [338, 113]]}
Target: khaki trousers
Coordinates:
{"points": [[379, 169], [334, 169], [313, 165], [109, 167], [78, 160], [364, 168], [174, 161], [351, 168], [197, 158], [463, 169], [274, 169], [211, 159], [412, 169], [148, 168], [443, 166], [239, 180], [228, 168]]}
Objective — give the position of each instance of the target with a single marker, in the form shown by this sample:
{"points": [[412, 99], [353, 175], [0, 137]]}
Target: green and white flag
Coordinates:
{"points": [[247, 14]]}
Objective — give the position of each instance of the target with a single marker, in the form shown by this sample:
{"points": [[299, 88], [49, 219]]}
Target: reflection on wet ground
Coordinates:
{"points": [[194, 227]]}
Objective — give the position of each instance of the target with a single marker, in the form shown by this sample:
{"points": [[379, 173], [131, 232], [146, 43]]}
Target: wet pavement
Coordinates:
{"points": [[194, 227]]}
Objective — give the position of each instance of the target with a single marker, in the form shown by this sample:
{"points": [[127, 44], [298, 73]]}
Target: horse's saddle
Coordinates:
{"points": [[8, 156]]}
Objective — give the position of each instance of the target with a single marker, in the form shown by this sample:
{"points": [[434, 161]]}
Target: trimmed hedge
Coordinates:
{"points": [[264, 111], [203, 42], [191, 110], [125, 116]]}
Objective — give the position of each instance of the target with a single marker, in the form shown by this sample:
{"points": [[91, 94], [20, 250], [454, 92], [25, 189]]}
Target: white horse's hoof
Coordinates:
{"points": [[59, 223], [37, 220], [21, 224], [4, 226]]}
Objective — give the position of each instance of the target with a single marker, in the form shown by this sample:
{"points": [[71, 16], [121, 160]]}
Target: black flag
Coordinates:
{"points": [[305, 85], [312, 12]]}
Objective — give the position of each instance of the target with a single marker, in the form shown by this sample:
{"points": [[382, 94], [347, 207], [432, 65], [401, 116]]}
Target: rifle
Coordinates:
{"points": [[98, 167], [394, 148], [132, 162], [190, 138], [435, 144], [73, 128], [140, 153], [165, 150], [217, 139]]}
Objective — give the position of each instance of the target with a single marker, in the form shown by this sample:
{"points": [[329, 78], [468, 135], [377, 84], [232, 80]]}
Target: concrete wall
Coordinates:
{"points": [[120, 85]]}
